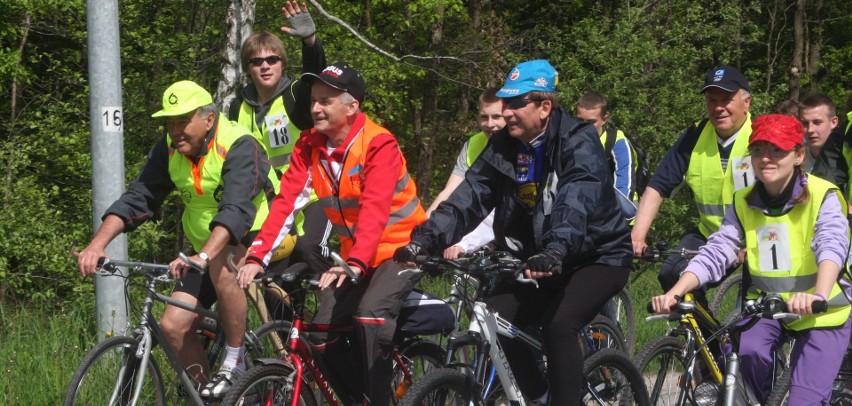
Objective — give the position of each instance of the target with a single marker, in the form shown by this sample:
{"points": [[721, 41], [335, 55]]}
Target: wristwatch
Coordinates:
{"points": [[206, 258]]}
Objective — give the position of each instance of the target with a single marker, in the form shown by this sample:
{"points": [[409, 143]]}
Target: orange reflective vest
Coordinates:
{"points": [[341, 200]]}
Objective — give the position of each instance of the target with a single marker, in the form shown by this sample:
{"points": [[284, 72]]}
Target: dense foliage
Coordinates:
{"points": [[648, 57]]}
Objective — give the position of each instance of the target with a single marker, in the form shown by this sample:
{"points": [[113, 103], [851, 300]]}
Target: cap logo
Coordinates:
{"points": [[173, 99], [515, 74], [717, 76], [332, 71], [541, 82]]}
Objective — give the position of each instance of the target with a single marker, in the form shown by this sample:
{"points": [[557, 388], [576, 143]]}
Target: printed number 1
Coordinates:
{"points": [[112, 119], [745, 179], [774, 256]]}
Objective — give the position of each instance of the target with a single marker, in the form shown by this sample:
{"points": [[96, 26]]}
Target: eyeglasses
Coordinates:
{"points": [[518, 102], [270, 60], [773, 151]]}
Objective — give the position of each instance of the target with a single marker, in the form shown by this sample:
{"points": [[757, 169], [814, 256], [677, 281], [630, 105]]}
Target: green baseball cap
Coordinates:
{"points": [[183, 97]]}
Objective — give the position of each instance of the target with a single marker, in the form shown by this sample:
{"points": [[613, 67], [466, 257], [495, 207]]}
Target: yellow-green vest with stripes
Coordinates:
{"points": [[200, 184], [712, 188], [277, 134], [779, 255]]}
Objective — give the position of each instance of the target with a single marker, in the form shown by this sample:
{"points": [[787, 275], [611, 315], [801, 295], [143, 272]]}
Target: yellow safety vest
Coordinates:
{"points": [[277, 134], [712, 188], [780, 259], [200, 183], [475, 145]]}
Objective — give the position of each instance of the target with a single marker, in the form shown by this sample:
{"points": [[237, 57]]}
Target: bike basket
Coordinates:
{"points": [[422, 313]]}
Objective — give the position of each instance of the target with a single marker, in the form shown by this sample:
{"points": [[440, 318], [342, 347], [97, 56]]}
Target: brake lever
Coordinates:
{"points": [[341, 263], [194, 265]]}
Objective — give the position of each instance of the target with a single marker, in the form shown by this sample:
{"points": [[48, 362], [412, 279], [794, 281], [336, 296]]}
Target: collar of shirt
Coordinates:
{"points": [[755, 202], [729, 141]]}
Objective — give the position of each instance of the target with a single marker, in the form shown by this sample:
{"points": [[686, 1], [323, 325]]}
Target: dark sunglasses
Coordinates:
{"points": [[518, 102], [270, 60], [772, 151]]}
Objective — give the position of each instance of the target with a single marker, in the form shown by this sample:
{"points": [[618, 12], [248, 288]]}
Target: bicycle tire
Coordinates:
{"points": [[602, 333], [611, 378], [621, 312], [781, 393], [269, 382], [104, 362], [658, 355], [441, 387], [421, 356], [723, 303]]}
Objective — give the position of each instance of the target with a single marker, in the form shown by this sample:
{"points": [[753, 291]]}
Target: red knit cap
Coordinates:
{"points": [[781, 130]]}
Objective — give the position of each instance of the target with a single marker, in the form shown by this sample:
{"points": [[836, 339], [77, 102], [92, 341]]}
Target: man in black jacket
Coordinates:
{"points": [[546, 176]]}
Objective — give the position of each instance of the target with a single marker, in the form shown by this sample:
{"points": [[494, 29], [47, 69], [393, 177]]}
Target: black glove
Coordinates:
{"points": [[302, 25], [549, 260], [407, 253]]}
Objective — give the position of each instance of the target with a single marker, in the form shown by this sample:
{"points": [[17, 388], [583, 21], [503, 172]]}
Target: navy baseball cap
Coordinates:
{"points": [[530, 76], [341, 77], [726, 78]]}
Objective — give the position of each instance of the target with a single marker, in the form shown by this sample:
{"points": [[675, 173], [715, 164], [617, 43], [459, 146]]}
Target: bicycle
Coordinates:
{"points": [[283, 380], [609, 375], [602, 332], [123, 356], [670, 364]]}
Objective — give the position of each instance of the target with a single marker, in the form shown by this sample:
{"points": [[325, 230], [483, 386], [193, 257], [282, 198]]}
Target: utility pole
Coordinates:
{"points": [[106, 119]]}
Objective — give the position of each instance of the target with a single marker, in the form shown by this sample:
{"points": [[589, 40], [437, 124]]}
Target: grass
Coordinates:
{"points": [[40, 347], [39, 350]]}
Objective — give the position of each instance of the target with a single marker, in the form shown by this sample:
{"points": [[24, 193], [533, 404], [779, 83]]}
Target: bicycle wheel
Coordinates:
{"points": [[620, 310], [268, 385], [269, 340], [663, 367], [601, 333], [441, 387], [108, 373], [728, 297], [420, 357], [611, 378]]}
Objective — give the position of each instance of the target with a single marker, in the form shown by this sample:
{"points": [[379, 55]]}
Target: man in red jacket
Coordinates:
{"points": [[360, 176]]}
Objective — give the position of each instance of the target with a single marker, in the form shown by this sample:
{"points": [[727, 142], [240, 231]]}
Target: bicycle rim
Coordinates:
{"points": [[663, 370], [109, 374]]}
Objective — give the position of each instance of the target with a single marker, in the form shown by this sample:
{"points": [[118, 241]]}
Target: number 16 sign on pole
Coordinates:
{"points": [[112, 119]]}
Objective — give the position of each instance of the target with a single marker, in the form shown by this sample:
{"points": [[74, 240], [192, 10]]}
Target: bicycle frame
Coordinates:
{"points": [[148, 329], [298, 355]]}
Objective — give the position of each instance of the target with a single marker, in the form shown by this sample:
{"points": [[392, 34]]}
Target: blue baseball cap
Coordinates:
{"points": [[530, 76], [726, 78]]}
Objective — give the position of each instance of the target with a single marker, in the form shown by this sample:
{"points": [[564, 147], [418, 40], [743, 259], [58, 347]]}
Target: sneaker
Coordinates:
{"points": [[219, 385]]}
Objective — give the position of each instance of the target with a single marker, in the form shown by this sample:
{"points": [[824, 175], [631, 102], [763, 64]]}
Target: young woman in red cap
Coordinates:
{"points": [[794, 229]]}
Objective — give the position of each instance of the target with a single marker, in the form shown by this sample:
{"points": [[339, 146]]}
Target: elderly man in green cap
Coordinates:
{"points": [[225, 182]]}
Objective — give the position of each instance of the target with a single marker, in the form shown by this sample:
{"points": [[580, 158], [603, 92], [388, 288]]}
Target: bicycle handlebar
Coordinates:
{"points": [[110, 266]]}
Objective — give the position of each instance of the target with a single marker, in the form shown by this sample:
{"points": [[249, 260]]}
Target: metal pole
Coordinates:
{"points": [[107, 125]]}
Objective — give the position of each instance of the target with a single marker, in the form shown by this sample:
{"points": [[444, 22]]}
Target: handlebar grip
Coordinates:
{"points": [[650, 308], [819, 306]]}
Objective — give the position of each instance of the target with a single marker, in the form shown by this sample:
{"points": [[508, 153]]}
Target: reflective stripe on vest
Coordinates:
{"points": [[343, 207], [475, 145], [713, 189], [779, 253], [199, 184]]}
